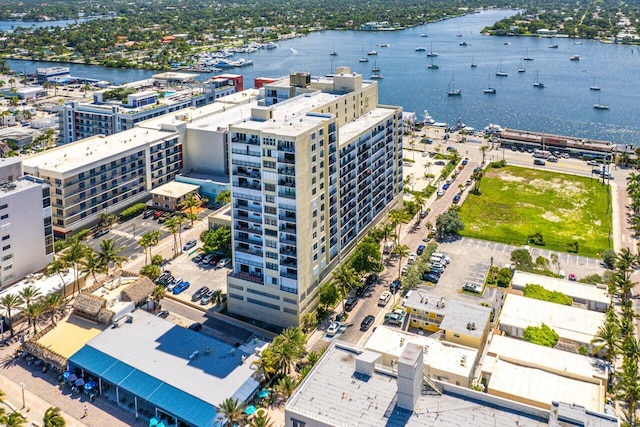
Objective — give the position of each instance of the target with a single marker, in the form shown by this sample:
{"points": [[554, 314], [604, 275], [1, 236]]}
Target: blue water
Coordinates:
{"points": [[564, 106], [12, 25]]}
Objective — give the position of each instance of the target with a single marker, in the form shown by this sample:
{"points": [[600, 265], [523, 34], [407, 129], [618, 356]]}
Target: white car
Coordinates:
{"points": [[224, 262], [333, 328], [384, 298], [412, 257], [440, 193]]}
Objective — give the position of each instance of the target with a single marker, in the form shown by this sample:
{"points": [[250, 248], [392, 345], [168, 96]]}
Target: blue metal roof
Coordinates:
{"points": [[246, 390], [170, 399]]}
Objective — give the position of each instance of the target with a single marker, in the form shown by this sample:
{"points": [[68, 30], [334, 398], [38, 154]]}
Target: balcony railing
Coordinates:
{"points": [[287, 171], [287, 183], [289, 275], [287, 195], [248, 251], [249, 277], [248, 185]]}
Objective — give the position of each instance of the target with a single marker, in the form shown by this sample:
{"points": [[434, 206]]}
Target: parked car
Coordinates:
{"points": [[446, 186], [424, 214], [393, 318], [207, 258], [190, 244], [363, 290], [333, 329], [412, 258], [372, 279], [147, 213], [465, 161], [157, 214], [195, 327], [443, 258], [171, 286], [384, 298], [162, 314], [440, 193], [199, 293], [197, 258], [207, 298], [224, 262], [437, 269], [573, 277], [367, 322], [456, 198], [181, 287], [439, 162], [552, 159], [165, 216], [430, 277], [420, 249], [472, 287], [101, 233], [539, 162], [351, 302], [394, 287], [592, 163]]}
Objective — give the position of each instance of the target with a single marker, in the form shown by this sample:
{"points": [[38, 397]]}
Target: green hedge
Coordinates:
{"points": [[542, 335], [132, 211], [538, 292]]}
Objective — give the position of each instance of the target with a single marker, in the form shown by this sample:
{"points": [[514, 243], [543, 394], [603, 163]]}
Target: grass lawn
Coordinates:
{"points": [[517, 202]]}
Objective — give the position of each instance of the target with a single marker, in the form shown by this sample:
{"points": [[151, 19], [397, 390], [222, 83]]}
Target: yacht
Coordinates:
{"points": [[521, 68], [464, 44], [375, 68], [364, 58], [500, 72], [421, 49], [553, 46], [333, 51], [575, 58], [433, 66], [600, 105], [473, 62], [271, 45], [451, 90], [377, 76], [431, 53], [384, 44], [527, 57], [489, 89], [594, 86], [537, 83], [424, 35]]}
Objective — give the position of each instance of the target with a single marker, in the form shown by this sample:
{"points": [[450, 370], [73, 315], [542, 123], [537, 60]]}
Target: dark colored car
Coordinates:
{"points": [[351, 302], [430, 278], [456, 198], [197, 258], [367, 322], [147, 213], [465, 161], [420, 250], [394, 287], [195, 327], [371, 280], [199, 293], [162, 314], [363, 290], [101, 233]]}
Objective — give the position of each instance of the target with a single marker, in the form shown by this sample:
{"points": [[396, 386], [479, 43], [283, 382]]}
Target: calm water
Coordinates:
{"points": [[12, 25], [564, 106]]}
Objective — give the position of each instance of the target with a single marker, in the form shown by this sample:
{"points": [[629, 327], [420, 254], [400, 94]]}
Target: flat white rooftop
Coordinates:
{"points": [[575, 290], [438, 355], [575, 324], [172, 75], [174, 189], [96, 149], [363, 123]]}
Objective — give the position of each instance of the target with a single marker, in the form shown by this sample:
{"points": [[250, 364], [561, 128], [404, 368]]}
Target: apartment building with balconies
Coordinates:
{"points": [[309, 176], [105, 173], [26, 237]]}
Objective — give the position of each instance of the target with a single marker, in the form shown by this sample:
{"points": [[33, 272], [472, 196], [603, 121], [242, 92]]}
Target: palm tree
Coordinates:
{"points": [[483, 150], [10, 302], [397, 217], [153, 237], [30, 294], [402, 251], [34, 312], [189, 203], [53, 303], [224, 197], [232, 411], [286, 386], [628, 389], [145, 242], [14, 419], [607, 338], [180, 220], [110, 253], [158, 293], [92, 264], [53, 418], [344, 277], [261, 419], [419, 200], [626, 262], [74, 255], [265, 364], [173, 226]]}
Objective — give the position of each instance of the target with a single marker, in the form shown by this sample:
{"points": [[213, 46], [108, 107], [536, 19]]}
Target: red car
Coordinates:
{"points": [[572, 277]]}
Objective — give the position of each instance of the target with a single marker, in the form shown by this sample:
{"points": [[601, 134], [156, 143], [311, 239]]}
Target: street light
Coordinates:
{"points": [[22, 386]]}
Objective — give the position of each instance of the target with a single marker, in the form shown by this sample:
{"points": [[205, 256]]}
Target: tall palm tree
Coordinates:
{"points": [[628, 389], [145, 243], [418, 198], [180, 220], [30, 294], [345, 278], [110, 253], [607, 338], [58, 266], [483, 150], [286, 386], [261, 419], [34, 312], [53, 418], [266, 364], [92, 264], [74, 255], [14, 419], [173, 226], [232, 411], [191, 202], [53, 303], [401, 251], [397, 217], [158, 293], [10, 302], [626, 262]]}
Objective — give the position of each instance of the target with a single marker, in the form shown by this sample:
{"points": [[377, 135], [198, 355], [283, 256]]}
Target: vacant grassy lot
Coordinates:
{"points": [[517, 202]]}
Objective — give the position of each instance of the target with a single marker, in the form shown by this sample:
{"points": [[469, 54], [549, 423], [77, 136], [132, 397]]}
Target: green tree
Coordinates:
{"points": [[159, 292], [542, 335], [53, 418], [309, 322], [483, 150], [30, 294], [9, 303], [261, 419], [328, 295], [609, 258], [191, 202], [53, 304], [217, 240], [345, 279], [110, 253], [92, 264], [224, 197], [173, 227], [521, 258], [34, 312], [74, 255], [401, 251], [14, 419], [366, 257], [152, 271], [397, 217], [286, 386], [231, 411], [449, 223]]}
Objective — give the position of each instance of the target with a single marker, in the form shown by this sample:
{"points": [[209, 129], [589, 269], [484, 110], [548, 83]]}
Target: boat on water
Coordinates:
{"points": [[553, 46], [421, 49], [464, 44], [577, 43], [507, 43], [427, 118], [489, 89], [527, 57], [424, 35], [371, 51], [594, 86], [377, 76], [364, 58], [451, 89], [537, 83], [459, 33], [333, 51], [575, 58], [375, 68], [521, 67], [473, 61], [433, 66], [600, 105], [500, 72], [384, 44], [431, 53], [271, 45]]}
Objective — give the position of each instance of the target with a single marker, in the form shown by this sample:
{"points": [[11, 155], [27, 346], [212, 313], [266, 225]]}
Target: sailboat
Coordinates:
{"points": [[459, 34], [375, 68], [528, 58], [521, 68], [489, 89], [473, 62], [364, 58], [433, 66], [600, 105], [333, 51], [594, 86], [372, 52], [451, 90], [537, 83], [431, 52], [500, 72]]}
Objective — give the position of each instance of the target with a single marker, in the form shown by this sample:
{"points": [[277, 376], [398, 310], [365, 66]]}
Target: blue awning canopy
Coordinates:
{"points": [[246, 390]]}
